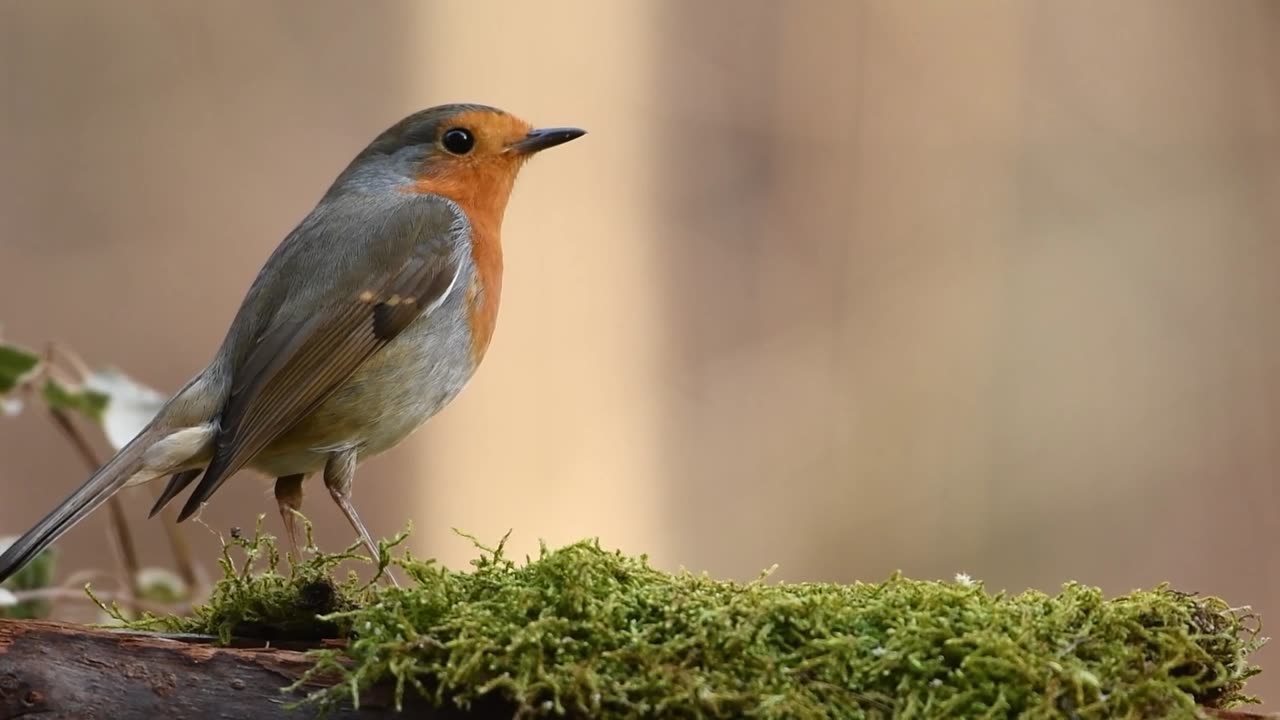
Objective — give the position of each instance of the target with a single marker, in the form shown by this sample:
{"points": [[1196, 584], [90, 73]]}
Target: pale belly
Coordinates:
{"points": [[388, 398]]}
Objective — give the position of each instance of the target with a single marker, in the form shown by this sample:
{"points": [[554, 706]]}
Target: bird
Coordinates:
{"points": [[368, 318]]}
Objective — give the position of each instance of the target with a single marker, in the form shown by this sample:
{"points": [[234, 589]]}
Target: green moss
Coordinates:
{"points": [[581, 631]]}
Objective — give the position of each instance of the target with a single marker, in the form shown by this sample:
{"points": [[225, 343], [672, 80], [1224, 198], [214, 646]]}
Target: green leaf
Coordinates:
{"points": [[90, 403], [15, 364]]}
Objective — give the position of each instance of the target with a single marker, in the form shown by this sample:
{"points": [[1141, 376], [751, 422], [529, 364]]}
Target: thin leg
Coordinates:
{"points": [[339, 473], [289, 498]]}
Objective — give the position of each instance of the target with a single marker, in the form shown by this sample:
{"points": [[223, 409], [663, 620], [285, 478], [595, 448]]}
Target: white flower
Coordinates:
{"points": [[965, 580], [130, 407]]}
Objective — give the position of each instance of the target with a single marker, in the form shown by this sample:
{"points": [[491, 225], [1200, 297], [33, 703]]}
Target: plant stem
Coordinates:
{"points": [[63, 593], [181, 551], [127, 552], [186, 567]]}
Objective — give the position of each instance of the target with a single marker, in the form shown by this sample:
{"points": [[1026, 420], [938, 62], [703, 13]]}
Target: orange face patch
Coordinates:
{"points": [[480, 181], [494, 131]]}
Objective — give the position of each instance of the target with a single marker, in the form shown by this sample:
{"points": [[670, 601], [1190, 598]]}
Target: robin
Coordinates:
{"points": [[368, 319]]}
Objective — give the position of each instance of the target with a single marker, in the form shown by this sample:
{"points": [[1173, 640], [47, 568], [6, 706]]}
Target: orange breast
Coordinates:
{"points": [[481, 190], [485, 292]]}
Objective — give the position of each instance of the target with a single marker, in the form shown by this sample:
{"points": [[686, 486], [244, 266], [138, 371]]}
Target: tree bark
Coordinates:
{"points": [[55, 671]]}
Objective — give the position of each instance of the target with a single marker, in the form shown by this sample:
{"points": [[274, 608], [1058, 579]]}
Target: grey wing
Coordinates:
{"points": [[301, 360]]}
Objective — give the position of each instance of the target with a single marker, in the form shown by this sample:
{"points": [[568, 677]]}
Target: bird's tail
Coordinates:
{"points": [[152, 454]]}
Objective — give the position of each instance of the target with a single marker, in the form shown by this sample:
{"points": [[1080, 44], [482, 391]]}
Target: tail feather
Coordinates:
{"points": [[177, 484], [155, 452], [104, 483]]}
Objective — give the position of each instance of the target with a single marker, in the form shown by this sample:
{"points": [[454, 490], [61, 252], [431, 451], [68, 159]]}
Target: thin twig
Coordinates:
{"points": [[66, 355], [181, 550], [178, 544], [124, 544], [62, 363], [62, 593], [128, 554], [80, 578], [56, 354]]}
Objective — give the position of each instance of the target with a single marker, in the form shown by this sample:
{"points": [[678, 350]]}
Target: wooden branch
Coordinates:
{"points": [[55, 671], [59, 671]]}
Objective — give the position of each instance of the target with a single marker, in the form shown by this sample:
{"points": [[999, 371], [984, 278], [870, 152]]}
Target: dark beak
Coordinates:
{"points": [[544, 138]]}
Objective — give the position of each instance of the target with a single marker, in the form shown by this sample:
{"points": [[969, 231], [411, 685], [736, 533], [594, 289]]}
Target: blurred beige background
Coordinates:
{"points": [[846, 286]]}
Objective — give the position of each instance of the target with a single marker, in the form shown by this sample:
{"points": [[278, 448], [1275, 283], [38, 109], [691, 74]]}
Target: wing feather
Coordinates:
{"points": [[299, 363]]}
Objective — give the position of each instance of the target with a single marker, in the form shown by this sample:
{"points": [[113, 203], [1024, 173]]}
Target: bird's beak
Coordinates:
{"points": [[544, 138]]}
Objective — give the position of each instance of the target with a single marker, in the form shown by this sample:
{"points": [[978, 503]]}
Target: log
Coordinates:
{"points": [[56, 670], [62, 671]]}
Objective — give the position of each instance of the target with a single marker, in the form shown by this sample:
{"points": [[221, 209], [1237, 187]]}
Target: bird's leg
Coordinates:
{"points": [[289, 498], [339, 473]]}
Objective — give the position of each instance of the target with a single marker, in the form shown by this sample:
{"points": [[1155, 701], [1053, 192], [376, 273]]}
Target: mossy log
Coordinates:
{"points": [[581, 632], [55, 671]]}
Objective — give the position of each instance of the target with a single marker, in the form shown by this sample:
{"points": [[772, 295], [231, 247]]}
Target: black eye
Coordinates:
{"points": [[458, 141]]}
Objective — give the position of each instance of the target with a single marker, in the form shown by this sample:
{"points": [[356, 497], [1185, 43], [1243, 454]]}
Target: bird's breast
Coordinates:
{"points": [[484, 292]]}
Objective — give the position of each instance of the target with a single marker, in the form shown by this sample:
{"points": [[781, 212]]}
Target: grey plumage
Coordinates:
{"points": [[355, 331]]}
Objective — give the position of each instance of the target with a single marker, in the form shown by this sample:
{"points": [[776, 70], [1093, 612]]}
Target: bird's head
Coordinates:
{"points": [[470, 154]]}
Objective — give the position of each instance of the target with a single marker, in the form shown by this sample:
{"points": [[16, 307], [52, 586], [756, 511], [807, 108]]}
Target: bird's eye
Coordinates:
{"points": [[458, 141]]}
